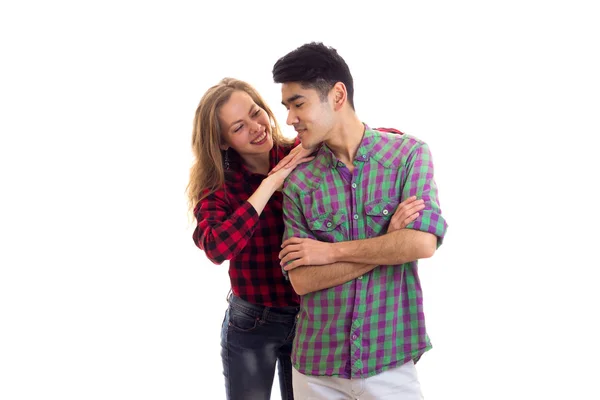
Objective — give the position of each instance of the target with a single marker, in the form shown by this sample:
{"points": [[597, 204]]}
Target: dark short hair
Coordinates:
{"points": [[316, 66]]}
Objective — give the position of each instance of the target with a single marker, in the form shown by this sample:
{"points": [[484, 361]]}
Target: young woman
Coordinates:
{"points": [[237, 142]]}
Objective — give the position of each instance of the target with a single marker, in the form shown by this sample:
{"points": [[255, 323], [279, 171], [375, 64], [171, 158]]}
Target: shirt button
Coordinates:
{"points": [[353, 337], [360, 277], [364, 156], [385, 212], [355, 216], [329, 224], [354, 186], [340, 163]]}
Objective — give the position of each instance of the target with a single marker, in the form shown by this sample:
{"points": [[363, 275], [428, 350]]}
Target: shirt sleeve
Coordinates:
{"points": [[220, 231], [294, 222], [420, 182]]}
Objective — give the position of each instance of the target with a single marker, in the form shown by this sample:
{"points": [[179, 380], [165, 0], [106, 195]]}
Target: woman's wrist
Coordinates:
{"points": [[271, 184]]}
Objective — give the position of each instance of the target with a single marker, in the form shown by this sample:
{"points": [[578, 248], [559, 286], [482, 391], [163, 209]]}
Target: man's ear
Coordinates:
{"points": [[340, 95]]}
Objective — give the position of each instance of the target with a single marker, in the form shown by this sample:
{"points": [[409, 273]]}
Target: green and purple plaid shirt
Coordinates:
{"points": [[375, 322]]}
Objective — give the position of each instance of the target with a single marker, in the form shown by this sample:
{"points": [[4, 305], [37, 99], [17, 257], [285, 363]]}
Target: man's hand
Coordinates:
{"points": [[296, 156], [299, 252], [406, 213]]}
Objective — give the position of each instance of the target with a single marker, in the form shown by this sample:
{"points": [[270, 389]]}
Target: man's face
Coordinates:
{"points": [[312, 118]]}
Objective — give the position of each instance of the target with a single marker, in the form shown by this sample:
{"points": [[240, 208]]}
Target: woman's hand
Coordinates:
{"points": [[274, 181], [297, 155], [276, 177]]}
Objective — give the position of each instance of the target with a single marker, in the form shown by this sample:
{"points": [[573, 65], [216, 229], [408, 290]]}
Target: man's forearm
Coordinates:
{"points": [[311, 278], [351, 258], [396, 247]]}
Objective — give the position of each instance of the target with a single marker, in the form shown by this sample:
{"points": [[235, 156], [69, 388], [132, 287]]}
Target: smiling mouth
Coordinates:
{"points": [[300, 133], [260, 138]]}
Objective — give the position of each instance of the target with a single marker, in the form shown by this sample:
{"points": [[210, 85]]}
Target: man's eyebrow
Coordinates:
{"points": [[292, 98]]}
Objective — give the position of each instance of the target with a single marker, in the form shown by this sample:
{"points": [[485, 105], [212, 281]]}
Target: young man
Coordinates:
{"points": [[352, 259]]}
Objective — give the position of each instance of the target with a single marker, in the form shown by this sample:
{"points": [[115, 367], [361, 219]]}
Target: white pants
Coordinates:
{"points": [[399, 383]]}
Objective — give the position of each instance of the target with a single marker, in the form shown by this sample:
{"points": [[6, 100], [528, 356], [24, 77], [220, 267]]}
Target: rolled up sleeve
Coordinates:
{"points": [[420, 182]]}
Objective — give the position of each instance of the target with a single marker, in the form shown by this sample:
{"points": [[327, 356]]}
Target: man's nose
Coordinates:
{"points": [[291, 118]]}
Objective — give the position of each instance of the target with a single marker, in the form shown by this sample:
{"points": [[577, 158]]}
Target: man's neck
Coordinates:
{"points": [[346, 138]]}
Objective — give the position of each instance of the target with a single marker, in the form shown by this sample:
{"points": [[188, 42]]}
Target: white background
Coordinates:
{"points": [[103, 294]]}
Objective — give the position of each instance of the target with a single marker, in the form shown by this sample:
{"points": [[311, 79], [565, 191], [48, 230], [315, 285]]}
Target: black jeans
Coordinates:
{"points": [[254, 339]]}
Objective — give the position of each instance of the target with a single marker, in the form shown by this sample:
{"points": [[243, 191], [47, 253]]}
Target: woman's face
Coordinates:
{"points": [[245, 127]]}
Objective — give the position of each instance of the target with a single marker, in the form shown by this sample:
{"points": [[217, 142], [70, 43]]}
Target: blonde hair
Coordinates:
{"points": [[207, 173]]}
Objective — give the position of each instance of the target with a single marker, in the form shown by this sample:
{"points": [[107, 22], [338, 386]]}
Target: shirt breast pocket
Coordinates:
{"points": [[330, 227], [379, 213]]}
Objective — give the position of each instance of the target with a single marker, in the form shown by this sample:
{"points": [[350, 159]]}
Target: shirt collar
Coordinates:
{"points": [[363, 153]]}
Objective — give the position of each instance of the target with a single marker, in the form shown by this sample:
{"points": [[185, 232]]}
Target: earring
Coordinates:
{"points": [[226, 162]]}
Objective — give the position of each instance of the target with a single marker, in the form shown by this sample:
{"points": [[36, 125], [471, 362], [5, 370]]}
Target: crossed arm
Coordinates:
{"points": [[313, 265]]}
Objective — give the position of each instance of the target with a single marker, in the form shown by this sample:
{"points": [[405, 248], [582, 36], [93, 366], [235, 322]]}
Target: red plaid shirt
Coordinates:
{"points": [[229, 228]]}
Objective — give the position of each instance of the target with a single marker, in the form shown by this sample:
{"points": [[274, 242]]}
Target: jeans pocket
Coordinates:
{"points": [[241, 320]]}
